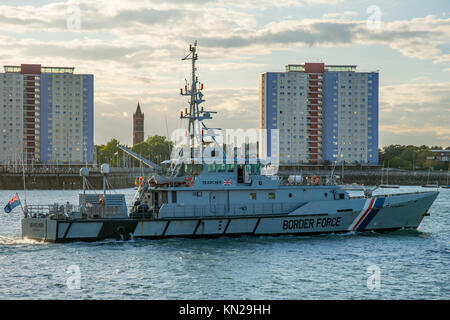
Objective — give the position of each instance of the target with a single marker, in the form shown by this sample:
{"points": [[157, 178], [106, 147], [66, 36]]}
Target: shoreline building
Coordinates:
{"points": [[47, 115], [323, 113], [138, 125]]}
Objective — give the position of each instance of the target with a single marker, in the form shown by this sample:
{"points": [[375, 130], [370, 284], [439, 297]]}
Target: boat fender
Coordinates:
{"points": [[315, 180], [189, 181]]}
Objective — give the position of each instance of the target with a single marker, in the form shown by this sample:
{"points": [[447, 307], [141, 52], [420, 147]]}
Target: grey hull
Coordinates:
{"points": [[355, 214]]}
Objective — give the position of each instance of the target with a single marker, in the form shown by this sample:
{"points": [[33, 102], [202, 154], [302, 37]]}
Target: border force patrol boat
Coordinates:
{"points": [[200, 198]]}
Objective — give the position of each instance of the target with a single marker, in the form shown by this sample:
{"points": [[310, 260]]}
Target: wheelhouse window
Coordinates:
{"points": [[230, 167], [252, 195], [212, 167], [271, 195], [221, 167]]}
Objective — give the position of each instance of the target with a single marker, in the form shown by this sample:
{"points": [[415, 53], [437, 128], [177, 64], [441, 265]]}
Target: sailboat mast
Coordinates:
{"points": [[387, 175], [448, 173]]}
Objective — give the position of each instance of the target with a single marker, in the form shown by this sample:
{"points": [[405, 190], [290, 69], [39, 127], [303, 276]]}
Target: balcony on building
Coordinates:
{"points": [[340, 68], [318, 76], [295, 68], [314, 95], [314, 138]]}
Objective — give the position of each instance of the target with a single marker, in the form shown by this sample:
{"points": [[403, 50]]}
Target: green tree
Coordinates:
{"points": [[108, 153], [409, 157], [156, 149]]}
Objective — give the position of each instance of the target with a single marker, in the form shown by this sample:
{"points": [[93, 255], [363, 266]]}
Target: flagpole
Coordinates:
{"points": [[17, 195], [24, 190]]}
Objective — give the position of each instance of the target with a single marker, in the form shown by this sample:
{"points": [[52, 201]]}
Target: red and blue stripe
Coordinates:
{"points": [[369, 214]]}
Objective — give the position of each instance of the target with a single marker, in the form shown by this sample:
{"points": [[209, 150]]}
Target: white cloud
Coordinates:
{"points": [[340, 15], [415, 112], [134, 49]]}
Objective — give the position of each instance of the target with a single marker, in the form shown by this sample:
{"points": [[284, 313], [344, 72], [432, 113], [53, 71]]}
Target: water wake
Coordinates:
{"points": [[16, 241]]}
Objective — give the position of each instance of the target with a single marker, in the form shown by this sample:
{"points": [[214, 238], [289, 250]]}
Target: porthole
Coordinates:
{"points": [[290, 195], [325, 194]]}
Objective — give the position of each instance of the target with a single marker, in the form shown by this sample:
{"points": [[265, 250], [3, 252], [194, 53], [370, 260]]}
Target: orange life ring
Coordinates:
{"points": [[315, 180], [101, 202], [141, 180], [189, 181]]}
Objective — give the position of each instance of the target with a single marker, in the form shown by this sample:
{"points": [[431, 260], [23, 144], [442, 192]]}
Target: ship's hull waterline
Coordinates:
{"points": [[377, 214]]}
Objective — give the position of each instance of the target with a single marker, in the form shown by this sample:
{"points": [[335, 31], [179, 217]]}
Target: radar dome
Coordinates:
{"points": [[105, 168], [84, 172]]}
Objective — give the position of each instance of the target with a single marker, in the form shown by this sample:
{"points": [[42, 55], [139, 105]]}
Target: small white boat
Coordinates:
{"points": [[430, 186], [389, 186]]}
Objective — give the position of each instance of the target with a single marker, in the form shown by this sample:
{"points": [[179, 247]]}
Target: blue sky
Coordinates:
{"points": [[134, 49]]}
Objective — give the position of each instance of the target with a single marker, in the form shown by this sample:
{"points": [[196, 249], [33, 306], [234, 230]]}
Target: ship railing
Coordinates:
{"points": [[70, 211], [54, 210], [94, 212], [133, 212]]}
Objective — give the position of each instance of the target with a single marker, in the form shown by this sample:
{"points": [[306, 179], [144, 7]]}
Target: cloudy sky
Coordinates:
{"points": [[134, 49]]}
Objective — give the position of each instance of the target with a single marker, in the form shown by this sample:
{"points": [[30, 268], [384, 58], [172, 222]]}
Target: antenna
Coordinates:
{"points": [[194, 114]]}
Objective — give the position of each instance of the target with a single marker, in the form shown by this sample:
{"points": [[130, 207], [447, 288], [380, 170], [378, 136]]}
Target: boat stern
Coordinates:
{"points": [[39, 229]]}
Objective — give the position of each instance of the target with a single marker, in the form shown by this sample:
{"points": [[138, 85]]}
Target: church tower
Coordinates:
{"points": [[138, 126]]}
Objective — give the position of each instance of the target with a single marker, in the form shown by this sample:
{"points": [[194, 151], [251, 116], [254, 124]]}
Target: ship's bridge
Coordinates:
{"points": [[239, 165]]}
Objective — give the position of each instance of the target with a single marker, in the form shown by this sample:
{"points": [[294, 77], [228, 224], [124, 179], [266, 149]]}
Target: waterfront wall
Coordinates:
{"points": [[125, 178], [118, 178]]}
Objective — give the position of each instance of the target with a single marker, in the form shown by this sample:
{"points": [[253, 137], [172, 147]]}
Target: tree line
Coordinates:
{"points": [[411, 157], [156, 149]]}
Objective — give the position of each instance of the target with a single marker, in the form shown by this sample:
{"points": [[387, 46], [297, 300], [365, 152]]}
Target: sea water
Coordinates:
{"points": [[405, 264]]}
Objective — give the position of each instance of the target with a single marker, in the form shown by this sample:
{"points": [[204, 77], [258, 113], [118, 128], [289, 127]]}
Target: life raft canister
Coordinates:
{"points": [[315, 180], [189, 181]]}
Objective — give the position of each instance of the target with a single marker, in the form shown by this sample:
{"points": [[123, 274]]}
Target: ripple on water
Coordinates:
{"points": [[413, 264]]}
